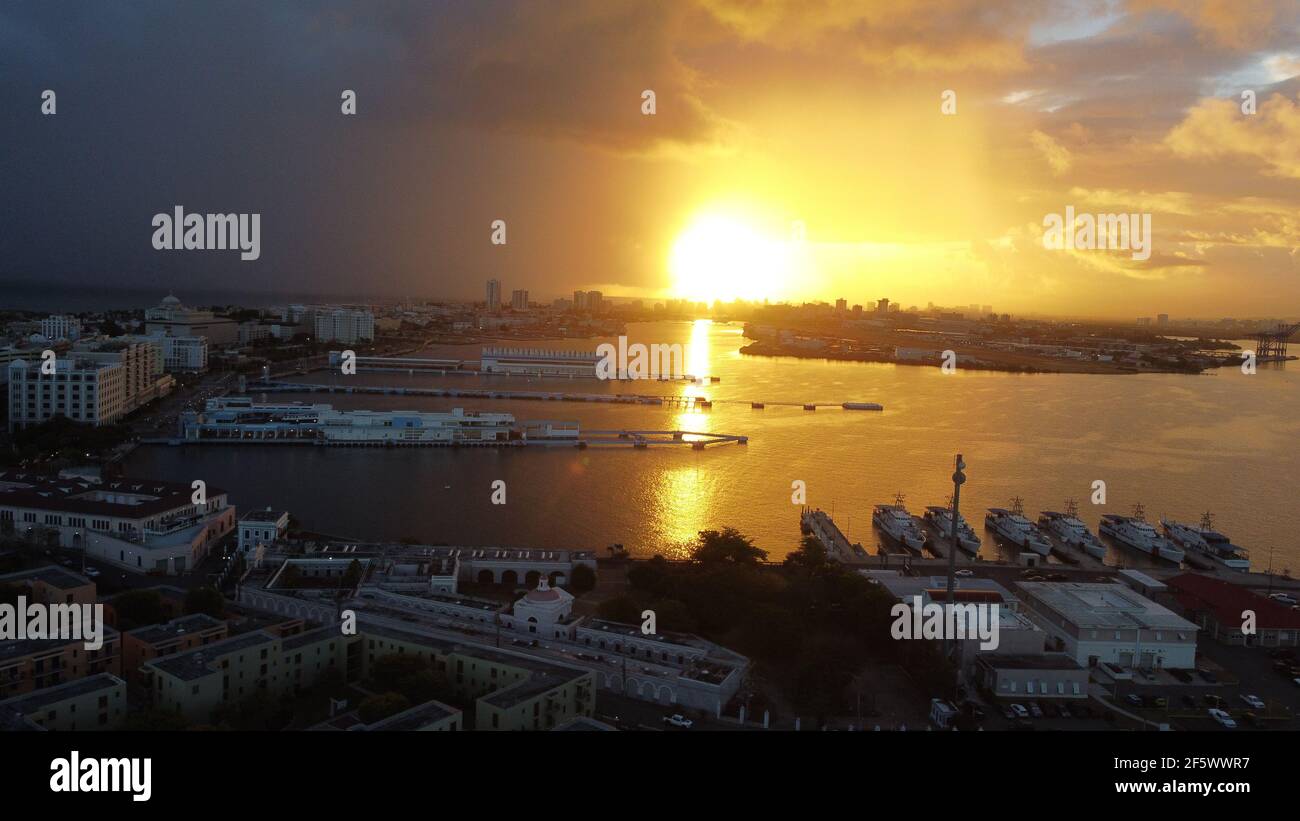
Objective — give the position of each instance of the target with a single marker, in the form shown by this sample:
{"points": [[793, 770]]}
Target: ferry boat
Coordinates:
{"points": [[941, 518], [1015, 528], [894, 521], [1208, 542], [1135, 532], [1071, 530]]}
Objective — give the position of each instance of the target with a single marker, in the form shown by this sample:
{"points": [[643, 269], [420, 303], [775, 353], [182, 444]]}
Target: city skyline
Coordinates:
{"points": [[722, 192]]}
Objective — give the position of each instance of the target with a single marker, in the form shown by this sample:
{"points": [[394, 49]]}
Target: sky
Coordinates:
{"points": [[797, 150]]}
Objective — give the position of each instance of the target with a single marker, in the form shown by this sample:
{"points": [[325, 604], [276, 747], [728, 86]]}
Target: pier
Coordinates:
{"points": [[684, 402]]}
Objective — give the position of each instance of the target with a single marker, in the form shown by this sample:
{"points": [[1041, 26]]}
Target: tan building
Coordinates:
{"points": [[35, 664], [158, 640], [53, 585]]}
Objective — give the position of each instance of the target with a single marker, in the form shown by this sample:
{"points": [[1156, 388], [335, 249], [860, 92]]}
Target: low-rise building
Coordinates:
{"points": [[1105, 622], [262, 528], [95, 702], [52, 585], [144, 644], [142, 525], [34, 664], [1219, 606]]}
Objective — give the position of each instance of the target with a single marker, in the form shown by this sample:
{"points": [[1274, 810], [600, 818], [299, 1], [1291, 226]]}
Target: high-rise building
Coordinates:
{"points": [[882, 307], [83, 390], [519, 299], [343, 325], [594, 301], [493, 294], [988, 309], [1162, 319], [841, 305], [579, 300]]}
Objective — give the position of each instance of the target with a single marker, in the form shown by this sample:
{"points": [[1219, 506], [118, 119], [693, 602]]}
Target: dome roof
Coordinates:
{"points": [[545, 593], [171, 299]]}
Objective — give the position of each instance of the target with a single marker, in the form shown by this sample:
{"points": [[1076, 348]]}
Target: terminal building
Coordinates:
{"points": [[240, 419], [141, 525], [539, 362]]}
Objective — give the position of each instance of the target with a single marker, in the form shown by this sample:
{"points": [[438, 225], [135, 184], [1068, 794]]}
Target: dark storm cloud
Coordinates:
{"points": [[235, 107]]}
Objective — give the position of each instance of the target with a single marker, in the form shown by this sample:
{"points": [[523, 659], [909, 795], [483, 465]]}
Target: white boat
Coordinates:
{"points": [[1207, 542], [941, 518], [895, 522], [1071, 530], [1015, 528], [1135, 532]]}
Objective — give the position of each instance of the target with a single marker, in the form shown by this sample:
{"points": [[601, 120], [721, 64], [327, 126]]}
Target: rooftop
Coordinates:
{"points": [[1227, 601], [50, 574], [1104, 606], [197, 663], [130, 498], [33, 701], [176, 628]]}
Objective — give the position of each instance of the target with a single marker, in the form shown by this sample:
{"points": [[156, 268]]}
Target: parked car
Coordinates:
{"points": [[678, 720], [92, 572], [1211, 700], [964, 572], [1253, 701], [1035, 710], [1222, 717], [1019, 711], [1207, 676], [1284, 598], [1134, 699]]}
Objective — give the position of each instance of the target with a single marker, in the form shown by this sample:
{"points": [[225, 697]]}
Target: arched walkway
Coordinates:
{"points": [[486, 577]]}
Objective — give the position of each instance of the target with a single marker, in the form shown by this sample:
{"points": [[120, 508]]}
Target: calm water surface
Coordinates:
{"points": [[1180, 445]]}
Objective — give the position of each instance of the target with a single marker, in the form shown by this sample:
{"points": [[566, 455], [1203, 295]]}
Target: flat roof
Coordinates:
{"points": [[420, 715], [43, 491], [18, 648], [35, 700], [155, 633], [50, 574], [1104, 606], [1044, 661], [197, 663]]}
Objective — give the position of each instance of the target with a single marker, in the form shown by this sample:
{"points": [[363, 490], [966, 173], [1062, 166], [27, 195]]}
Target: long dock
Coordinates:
{"points": [[671, 400]]}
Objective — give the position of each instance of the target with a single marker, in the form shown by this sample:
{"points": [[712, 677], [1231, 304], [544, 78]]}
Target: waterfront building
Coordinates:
{"points": [[1105, 622], [239, 419], [344, 325], [96, 702], [81, 389], [171, 318], [142, 364], [1217, 606], [539, 362], [261, 528], [142, 525], [494, 294]]}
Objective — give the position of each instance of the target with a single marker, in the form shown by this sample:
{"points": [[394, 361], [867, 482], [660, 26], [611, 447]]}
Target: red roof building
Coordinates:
{"points": [[1223, 610]]}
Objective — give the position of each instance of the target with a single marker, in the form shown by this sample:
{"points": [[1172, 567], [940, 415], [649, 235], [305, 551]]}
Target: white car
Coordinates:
{"points": [[678, 720], [1254, 701], [92, 572], [1222, 717], [1020, 711], [964, 573], [1283, 597]]}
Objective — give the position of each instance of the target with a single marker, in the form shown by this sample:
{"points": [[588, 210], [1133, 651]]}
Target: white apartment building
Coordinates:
{"points": [[519, 299], [61, 327], [343, 325], [81, 389], [179, 353], [493, 294]]}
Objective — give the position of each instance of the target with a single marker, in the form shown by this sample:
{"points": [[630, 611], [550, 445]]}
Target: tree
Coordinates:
{"points": [[582, 580], [378, 707], [388, 670], [205, 600], [810, 557], [727, 545], [136, 608], [353, 574], [620, 609]]}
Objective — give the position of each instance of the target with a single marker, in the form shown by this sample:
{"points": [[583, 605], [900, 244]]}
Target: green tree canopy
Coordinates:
{"points": [[726, 545]]}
